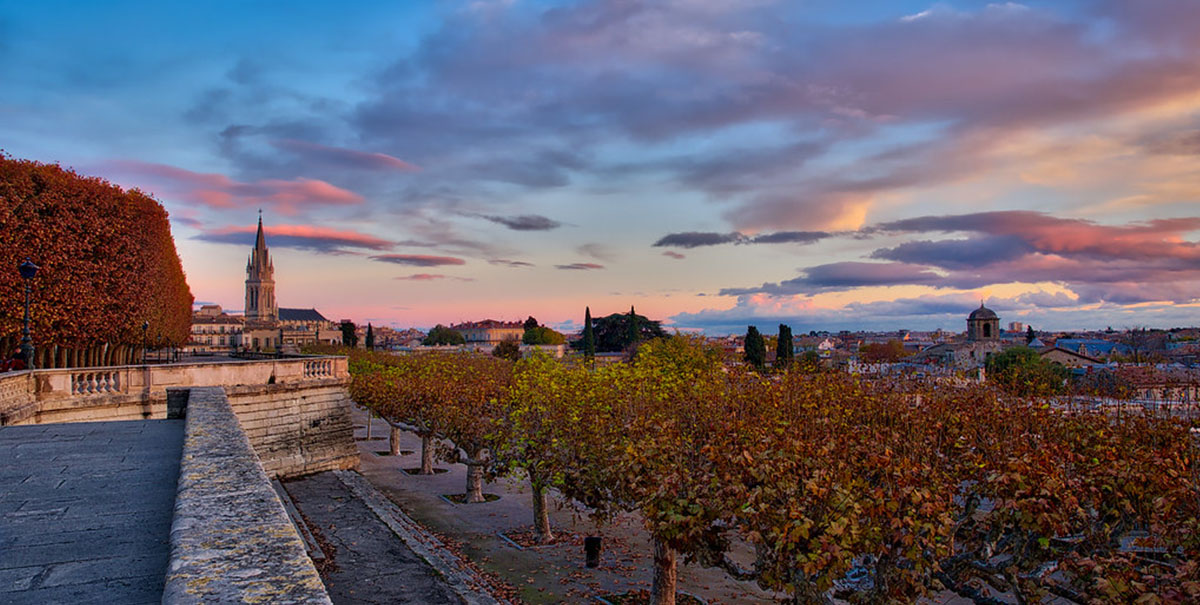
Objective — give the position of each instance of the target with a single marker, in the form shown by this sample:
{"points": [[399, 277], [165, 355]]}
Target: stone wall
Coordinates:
{"points": [[231, 539], [296, 412], [297, 429]]}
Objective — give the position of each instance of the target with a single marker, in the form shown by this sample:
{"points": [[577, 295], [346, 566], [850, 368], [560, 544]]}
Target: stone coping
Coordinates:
{"points": [[231, 539]]}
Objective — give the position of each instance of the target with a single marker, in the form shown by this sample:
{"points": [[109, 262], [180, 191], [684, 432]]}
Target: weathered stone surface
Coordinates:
{"points": [[373, 564], [85, 511], [231, 540]]}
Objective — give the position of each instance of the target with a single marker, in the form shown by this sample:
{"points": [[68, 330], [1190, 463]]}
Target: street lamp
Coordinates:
{"points": [[28, 270], [145, 350]]}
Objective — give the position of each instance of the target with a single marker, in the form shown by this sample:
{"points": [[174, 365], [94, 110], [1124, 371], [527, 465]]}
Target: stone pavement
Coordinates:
{"points": [[373, 564], [86, 509]]}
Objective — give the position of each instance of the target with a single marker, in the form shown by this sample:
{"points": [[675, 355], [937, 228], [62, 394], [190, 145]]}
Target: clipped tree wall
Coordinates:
{"points": [[108, 264]]}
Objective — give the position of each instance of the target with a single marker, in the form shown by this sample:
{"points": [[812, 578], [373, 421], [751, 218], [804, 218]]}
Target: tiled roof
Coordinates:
{"points": [[300, 315]]}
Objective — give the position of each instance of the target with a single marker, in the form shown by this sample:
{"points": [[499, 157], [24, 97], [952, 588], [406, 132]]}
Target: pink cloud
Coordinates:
{"points": [[580, 266], [219, 191], [431, 277], [674, 255], [309, 237], [345, 157]]}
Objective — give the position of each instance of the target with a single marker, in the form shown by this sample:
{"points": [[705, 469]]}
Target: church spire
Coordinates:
{"points": [[260, 242], [260, 280]]}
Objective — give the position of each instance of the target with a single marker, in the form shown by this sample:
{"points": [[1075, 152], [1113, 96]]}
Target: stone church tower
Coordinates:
{"points": [[983, 324], [260, 282]]}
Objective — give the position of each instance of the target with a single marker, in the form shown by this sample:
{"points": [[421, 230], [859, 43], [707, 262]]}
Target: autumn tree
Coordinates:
{"points": [[1022, 371], [877, 352], [507, 349], [108, 263]]}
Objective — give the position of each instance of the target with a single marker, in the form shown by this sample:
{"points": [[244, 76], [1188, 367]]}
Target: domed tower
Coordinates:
{"points": [[260, 281], [983, 324]]}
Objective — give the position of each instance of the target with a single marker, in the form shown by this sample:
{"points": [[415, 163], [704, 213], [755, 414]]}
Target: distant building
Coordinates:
{"points": [[983, 340], [490, 331], [214, 330]]}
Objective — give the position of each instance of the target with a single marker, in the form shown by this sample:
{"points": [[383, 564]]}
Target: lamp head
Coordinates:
{"points": [[28, 269]]}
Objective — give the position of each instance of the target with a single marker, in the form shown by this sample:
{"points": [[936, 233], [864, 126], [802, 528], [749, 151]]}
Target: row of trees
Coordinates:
{"points": [[915, 487], [108, 266]]}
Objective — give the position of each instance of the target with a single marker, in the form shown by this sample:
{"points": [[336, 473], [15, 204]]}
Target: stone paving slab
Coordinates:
{"points": [[374, 565], [86, 509]]}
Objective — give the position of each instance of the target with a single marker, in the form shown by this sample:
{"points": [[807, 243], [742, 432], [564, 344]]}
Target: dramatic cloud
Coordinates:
{"points": [[303, 237], [348, 158], [221, 192], [579, 266], [419, 260], [674, 255], [525, 222], [431, 277], [696, 239], [845, 276]]}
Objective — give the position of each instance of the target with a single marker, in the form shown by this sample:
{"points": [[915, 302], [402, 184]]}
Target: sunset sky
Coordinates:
{"points": [[827, 164]]}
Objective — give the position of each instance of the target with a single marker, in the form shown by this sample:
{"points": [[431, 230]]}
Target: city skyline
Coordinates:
{"points": [[715, 164]]}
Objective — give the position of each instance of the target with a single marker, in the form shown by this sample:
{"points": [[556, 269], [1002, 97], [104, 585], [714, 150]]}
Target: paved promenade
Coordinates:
{"points": [[86, 509]]}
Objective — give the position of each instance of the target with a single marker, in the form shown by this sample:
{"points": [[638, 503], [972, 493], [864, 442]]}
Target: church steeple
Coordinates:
{"points": [[260, 280]]}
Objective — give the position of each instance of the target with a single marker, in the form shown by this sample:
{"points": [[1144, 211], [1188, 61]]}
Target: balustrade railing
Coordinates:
{"points": [[96, 382]]}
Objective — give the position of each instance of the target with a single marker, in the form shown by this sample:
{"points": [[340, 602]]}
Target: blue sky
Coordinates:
{"points": [[715, 163]]}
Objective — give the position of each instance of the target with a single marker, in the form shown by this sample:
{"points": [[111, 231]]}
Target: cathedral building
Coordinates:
{"points": [[983, 340], [264, 326]]}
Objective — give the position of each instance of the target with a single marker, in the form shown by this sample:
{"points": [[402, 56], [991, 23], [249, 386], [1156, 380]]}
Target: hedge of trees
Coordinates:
{"points": [[873, 491], [108, 264]]}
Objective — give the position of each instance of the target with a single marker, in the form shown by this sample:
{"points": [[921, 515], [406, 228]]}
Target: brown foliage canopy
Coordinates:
{"points": [[108, 261]]}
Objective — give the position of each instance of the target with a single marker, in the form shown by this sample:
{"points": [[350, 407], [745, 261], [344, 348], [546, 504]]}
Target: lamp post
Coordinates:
{"points": [[145, 349], [28, 270]]}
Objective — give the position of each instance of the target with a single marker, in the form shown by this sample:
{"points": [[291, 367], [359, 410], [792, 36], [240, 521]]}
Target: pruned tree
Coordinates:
{"points": [[784, 353]]}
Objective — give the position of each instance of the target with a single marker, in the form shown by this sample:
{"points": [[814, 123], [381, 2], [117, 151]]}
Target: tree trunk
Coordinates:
{"points": [[370, 416], [394, 441], [662, 589], [541, 515], [475, 484], [426, 455]]}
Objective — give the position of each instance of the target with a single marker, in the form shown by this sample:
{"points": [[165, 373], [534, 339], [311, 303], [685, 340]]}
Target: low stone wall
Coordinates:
{"points": [[231, 539], [299, 428], [139, 392]]}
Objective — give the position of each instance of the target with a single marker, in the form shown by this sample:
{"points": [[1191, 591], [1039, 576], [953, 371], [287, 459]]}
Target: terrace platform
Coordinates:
{"points": [[86, 510]]}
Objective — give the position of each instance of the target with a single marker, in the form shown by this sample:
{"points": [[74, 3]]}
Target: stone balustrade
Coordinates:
{"points": [[139, 392]]}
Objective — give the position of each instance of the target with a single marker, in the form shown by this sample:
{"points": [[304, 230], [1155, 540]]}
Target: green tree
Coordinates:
{"points": [[349, 338], [783, 347], [508, 349], [1022, 371], [530, 322], [613, 332], [370, 339], [1030, 335], [589, 336], [755, 350], [541, 335], [441, 335]]}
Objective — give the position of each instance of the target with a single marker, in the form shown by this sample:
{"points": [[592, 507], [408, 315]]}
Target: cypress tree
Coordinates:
{"points": [[783, 347], [634, 334], [1030, 335], [589, 337], [370, 339], [755, 348]]}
